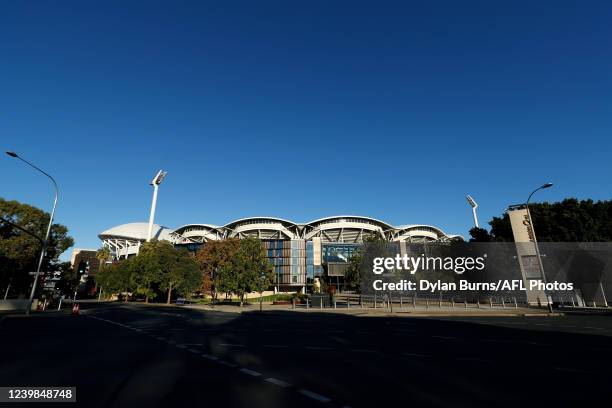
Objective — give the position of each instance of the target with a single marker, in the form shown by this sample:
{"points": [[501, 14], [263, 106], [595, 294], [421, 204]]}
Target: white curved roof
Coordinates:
{"points": [[137, 231], [356, 217], [417, 226], [349, 228], [208, 226], [251, 219]]}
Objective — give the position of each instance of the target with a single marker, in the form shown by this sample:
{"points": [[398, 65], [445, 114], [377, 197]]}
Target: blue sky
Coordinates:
{"points": [[300, 110]]}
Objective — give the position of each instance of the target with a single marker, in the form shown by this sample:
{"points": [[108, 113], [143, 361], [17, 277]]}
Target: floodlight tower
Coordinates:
{"points": [[474, 206], [159, 177]]}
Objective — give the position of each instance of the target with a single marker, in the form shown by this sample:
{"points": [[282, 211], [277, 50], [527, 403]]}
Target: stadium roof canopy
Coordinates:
{"points": [[126, 239]]}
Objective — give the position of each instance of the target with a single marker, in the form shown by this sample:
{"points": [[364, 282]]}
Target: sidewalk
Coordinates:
{"points": [[380, 311]]}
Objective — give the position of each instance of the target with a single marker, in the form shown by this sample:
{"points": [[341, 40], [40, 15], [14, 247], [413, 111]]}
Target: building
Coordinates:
{"points": [[84, 261], [298, 251]]}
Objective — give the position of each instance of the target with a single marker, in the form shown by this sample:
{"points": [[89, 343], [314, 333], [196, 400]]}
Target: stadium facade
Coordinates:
{"points": [[298, 251]]}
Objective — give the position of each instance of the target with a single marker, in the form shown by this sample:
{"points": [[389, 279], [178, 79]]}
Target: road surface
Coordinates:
{"points": [[135, 355]]}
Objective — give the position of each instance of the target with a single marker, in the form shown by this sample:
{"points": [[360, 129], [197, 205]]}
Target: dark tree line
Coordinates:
{"points": [[160, 270], [569, 220]]}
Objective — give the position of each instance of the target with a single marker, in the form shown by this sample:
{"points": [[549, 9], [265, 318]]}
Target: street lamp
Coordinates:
{"points": [[46, 240], [159, 177], [535, 241]]}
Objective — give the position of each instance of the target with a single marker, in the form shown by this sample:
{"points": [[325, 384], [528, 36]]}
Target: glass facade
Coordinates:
{"points": [[332, 252], [288, 257]]}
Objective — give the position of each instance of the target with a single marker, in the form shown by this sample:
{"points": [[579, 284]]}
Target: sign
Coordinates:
{"points": [[524, 239], [521, 224]]}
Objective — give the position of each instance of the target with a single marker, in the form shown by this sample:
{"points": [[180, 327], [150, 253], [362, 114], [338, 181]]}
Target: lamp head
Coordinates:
{"points": [[471, 201], [159, 177], [12, 154], [547, 185]]}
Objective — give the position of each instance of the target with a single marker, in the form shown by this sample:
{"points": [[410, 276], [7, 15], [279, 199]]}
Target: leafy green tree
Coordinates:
{"points": [[117, 277], [480, 235], [569, 220], [19, 251], [215, 260], [374, 246], [104, 255], [250, 264], [145, 271], [183, 276], [160, 264], [352, 277]]}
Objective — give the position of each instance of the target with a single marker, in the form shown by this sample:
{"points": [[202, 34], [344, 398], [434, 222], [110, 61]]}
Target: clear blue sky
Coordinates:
{"points": [[300, 110]]}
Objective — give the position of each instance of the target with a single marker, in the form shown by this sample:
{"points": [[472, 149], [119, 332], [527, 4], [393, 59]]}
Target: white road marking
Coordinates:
{"points": [[278, 382], [231, 345], [210, 357], [574, 370], [193, 351], [414, 355], [478, 360], [250, 372], [339, 339], [314, 395], [227, 363], [535, 343]]}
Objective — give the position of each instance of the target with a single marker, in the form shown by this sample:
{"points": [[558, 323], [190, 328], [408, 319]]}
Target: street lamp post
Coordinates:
{"points": [[46, 240], [535, 241]]}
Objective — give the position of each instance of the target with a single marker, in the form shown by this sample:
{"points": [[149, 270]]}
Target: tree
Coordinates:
{"points": [[19, 251], [480, 235], [352, 277], [160, 263], [117, 277], [69, 281], [250, 264], [569, 220], [215, 259], [145, 270], [104, 255], [183, 276], [374, 245], [158, 267]]}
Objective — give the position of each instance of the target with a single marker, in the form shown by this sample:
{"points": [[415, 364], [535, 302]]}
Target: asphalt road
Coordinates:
{"points": [[135, 355]]}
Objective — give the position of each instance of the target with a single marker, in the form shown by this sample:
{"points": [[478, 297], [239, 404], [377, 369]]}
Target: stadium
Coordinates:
{"points": [[298, 251]]}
